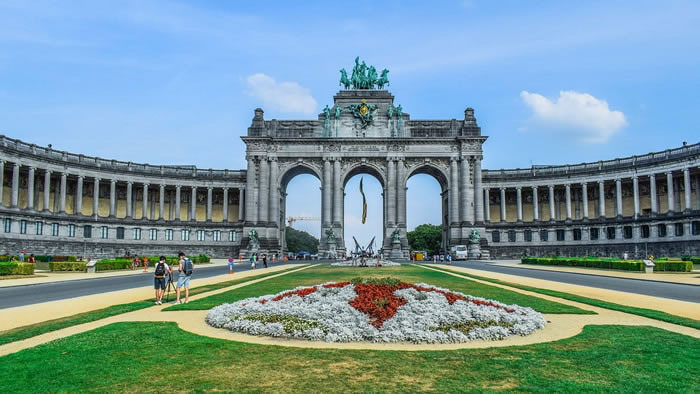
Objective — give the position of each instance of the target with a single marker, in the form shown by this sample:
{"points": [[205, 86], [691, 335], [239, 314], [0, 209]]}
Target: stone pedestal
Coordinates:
{"points": [[331, 250], [473, 251], [396, 250]]}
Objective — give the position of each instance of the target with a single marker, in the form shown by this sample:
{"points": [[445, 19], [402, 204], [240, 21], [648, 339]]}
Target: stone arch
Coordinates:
{"points": [[370, 168], [294, 169], [432, 169]]}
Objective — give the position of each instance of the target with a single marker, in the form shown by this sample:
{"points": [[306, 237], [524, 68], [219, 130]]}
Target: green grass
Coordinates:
{"points": [[147, 357], [407, 273], [650, 313], [24, 332]]}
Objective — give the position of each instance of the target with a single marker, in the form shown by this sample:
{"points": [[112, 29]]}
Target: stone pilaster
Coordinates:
{"points": [[454, 192], [478, 195], [390, 193], [274, 193], [264, 195]]}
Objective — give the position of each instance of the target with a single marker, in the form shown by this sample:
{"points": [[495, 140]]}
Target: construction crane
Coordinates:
{"points": [[292, 219]]}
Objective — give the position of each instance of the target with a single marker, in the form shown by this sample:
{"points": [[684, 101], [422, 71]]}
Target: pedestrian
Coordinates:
{"points": [[252, 261], [32, 259], [162, 269], [145, 264], [434, 259], [21, 256], [185, 267], [449, 258], [285, 259], [274, 257], [264, 257], [135, 263], [230, 265]]}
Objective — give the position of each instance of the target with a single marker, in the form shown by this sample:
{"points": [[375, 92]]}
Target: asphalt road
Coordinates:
{"points": [[44, 292], [674, 291], [34, 294]]}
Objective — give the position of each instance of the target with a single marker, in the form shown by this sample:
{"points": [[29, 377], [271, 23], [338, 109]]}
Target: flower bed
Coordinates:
{"points": [[384, 310], [368, 263]]}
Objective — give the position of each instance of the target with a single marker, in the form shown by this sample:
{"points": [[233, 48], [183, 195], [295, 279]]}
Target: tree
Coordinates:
{"points": [[300, 240], [425, 237]]}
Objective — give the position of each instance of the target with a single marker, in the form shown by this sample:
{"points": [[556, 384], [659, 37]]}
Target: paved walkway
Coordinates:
{"points": [[690, 278], [676, 291], [559, 326]]}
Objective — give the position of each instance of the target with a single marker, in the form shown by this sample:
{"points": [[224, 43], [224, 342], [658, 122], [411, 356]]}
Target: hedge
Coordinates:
{"points": [[42, 259], [16, 268], [68, 266], [127, 262], [662, 264]]}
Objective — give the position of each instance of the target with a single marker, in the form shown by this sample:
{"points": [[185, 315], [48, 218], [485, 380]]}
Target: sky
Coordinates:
{"points": [[176, 82]]}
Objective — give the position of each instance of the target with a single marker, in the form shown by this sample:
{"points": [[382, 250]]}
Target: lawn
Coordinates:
{"points": [[32, 330], [146, 357], [407, 273]]}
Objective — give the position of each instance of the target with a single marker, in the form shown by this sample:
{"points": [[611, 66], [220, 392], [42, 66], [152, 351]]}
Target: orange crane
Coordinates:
{"points": [[292, 219]]}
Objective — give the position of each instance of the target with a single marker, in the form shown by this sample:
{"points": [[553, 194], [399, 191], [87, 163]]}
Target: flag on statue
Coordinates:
{"points": [[364, 203]]}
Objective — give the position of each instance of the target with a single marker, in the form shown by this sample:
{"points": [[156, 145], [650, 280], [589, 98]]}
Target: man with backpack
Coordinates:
{"points": [[185, 267], [159, 282]]}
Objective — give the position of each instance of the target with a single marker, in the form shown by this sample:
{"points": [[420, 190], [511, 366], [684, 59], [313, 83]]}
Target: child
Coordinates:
{"points": [[230, 265]]}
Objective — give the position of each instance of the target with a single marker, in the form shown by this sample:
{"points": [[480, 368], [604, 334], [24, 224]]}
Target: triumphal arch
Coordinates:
{"points": [[364, 131]]}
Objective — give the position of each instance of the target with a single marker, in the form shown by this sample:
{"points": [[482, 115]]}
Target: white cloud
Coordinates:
{"points": [[281, 96], [577, 113]]}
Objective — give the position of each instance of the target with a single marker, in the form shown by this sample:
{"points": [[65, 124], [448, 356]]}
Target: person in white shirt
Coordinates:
{"points": [[162, 269]]}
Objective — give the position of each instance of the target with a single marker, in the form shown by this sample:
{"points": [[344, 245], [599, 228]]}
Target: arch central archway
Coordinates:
{"points": [[297, 171]]}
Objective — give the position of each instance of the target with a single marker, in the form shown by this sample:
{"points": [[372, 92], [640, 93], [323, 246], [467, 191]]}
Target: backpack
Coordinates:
{"points": [[160, 270], [187, 267]]}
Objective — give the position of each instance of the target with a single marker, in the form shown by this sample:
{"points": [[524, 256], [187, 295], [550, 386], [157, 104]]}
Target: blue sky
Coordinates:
{"points": [[177, 82]]}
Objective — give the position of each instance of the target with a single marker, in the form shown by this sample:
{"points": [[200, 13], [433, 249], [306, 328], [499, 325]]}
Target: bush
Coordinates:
{"points": [[673, 266], [202, 258], [68, 266], [695, 260], [12, 268], [113, 264], [590, 262]]}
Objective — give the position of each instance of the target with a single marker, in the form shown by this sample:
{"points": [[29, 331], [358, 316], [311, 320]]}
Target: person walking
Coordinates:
{"points": [[21, 256], [230, 265], [285, 259], [135, 263], [449, 258], [145, 264], [264, 257], [32, 259], [159, 281], [252, 261], [185, 267]]}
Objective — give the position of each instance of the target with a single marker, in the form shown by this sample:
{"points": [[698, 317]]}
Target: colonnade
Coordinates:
{"points": [[34, 174], [671, 177]]}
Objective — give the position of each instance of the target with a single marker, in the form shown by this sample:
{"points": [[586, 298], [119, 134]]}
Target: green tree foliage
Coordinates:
{"points": [[300, 240], [425, 237]]}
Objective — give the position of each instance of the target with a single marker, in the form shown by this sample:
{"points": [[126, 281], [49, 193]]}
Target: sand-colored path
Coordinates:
{"points": [[558, 327], [688, 278]]}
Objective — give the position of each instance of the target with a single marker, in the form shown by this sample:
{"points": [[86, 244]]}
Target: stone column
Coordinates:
{"points": [[250, 210], [178, 198], [64, 180], [519, 201], [390, 192], [697, 192], [193, 204], [618, 197], [241, 201], [129, 195], [171, 198], [535, 205], [30, 189], [454, 192], [79, 196], [551, 203], [274, 192], [210, 191], [327, 202], [14, 197], [464, 211], [686, 186], [337, 194], [601, 198], [401, 193], [635, 190], [161, 202], [145, 201], [96, 198], [568, 201], [653, 196], [669, 193], [264, 207], [584, 194], [225, 207], [112, 198], [478, 195], [47, 189], [503, 205], [2, 180], [487, 205]]}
